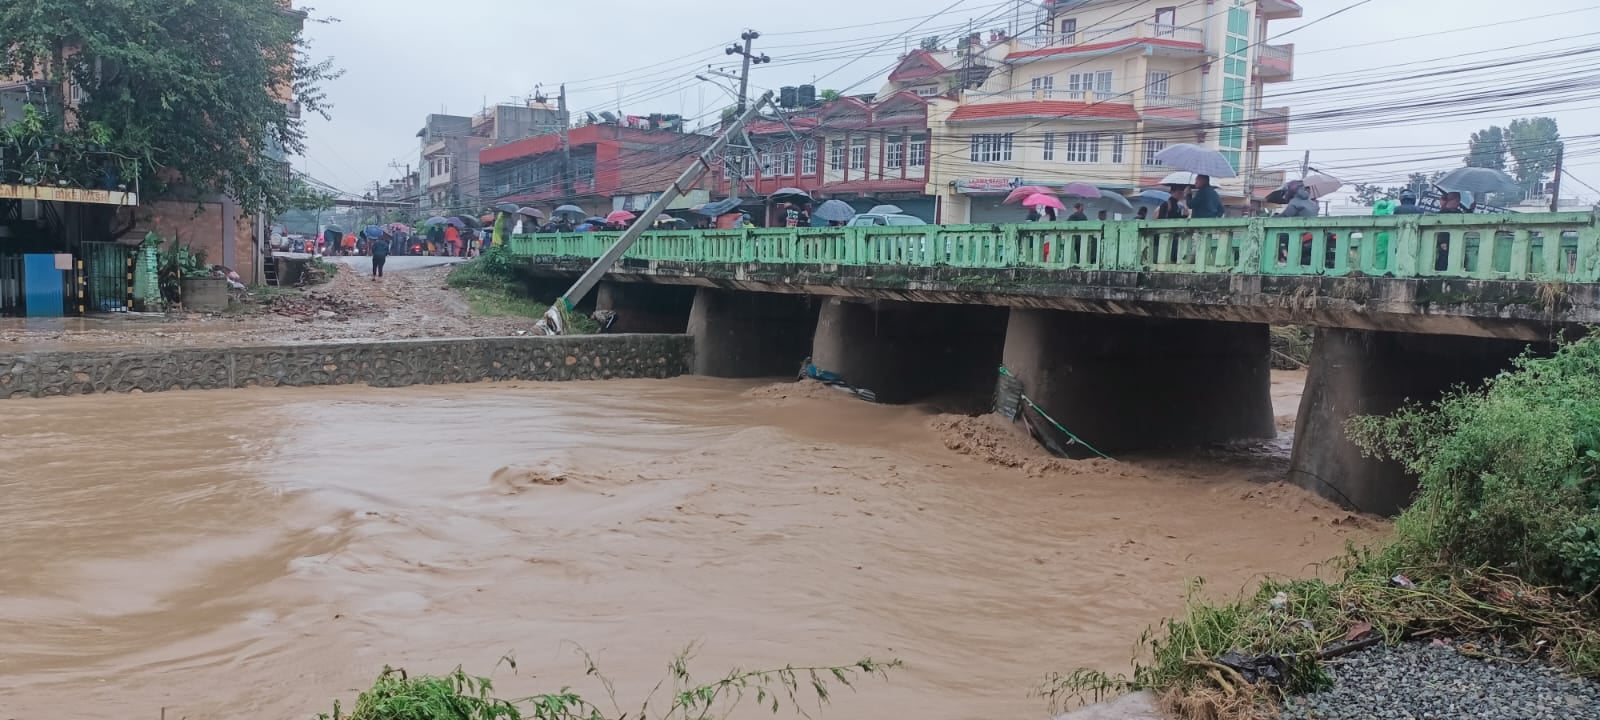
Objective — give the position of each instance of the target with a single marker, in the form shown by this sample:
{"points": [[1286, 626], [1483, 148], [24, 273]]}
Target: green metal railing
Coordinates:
{"points": [[1543, 247]]}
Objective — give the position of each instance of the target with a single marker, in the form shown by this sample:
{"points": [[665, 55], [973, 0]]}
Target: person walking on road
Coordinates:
{"points": [[380, 255]]}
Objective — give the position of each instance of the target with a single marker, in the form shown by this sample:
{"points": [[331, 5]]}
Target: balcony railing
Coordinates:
{"points": [[1275, 61], [1541, 247], [1131, 31], [1092, 96], [1272, 123]]}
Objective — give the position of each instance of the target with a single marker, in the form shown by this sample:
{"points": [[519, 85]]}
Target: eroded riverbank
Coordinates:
{"points": [[259, 553]]}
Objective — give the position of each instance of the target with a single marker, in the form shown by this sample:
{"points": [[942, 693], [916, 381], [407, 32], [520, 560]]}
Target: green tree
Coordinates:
{"points": [[931, 43], [189, 98], [828, 95], [1534, 144], [1487, 148]]}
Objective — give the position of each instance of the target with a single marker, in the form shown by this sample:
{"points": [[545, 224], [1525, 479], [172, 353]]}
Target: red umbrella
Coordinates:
{"points": [[1025, 192], [1041, 200], [620, 216]]}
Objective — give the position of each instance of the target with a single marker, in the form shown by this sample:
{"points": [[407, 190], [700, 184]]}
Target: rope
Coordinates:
{"points": [[1007, 372]]}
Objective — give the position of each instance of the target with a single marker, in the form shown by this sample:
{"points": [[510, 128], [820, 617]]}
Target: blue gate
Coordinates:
{"points": [[43, 286]]}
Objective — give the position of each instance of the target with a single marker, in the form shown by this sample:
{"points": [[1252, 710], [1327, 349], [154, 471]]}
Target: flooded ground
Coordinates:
{"points": [[257, 554]]}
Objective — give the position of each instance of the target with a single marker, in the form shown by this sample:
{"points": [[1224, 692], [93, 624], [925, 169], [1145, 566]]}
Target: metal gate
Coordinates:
{"points": [[107, 280], [45, 285], [10, 284]]}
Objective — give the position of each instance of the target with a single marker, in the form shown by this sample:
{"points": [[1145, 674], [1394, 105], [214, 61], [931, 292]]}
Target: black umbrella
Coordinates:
{"points": [[506, 208], [470, 222], [791, 195]]}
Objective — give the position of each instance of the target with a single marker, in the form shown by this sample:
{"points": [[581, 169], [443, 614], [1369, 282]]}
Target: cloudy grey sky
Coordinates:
{"points": [[407, 58]]}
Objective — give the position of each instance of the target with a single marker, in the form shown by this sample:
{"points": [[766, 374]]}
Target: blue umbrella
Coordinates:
{"points": [[595, 220], [719, 208], [436, 220], [834, 211], [1153, 197], [373, 231]]}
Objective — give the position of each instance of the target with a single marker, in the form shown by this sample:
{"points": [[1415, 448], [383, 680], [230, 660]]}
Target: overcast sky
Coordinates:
{"points": [[404, 59]]}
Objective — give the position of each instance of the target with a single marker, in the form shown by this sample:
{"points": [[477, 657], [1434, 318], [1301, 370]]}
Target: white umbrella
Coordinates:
{"points": [[1197, 159], [1179, 178], [886, 210], [1321, 184]]}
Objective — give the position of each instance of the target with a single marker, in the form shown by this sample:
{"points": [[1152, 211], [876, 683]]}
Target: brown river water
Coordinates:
{"points": [[260, 553]]}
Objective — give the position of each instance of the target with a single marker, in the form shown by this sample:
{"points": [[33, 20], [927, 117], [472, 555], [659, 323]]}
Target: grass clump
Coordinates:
{"points": [[489, 285], [459, 696], [1502, 541]]}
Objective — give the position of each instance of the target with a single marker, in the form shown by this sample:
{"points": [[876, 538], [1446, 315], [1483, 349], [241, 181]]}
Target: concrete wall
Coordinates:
{"points": [[906, 352], [644, 308], [745, 335], [1126, 384], [379, 364], [1373, 373]]}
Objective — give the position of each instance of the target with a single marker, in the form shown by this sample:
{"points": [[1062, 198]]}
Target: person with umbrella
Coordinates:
{"points": [[1450, 204], [452, 240], [1204, 202], [1078, 213], [1302, 205]]}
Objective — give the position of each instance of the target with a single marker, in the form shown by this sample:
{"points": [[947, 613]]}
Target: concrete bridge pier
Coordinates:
{"points": [[1359, 372], [1124, 383], [907, 352], [750, 334], [646, 307]]}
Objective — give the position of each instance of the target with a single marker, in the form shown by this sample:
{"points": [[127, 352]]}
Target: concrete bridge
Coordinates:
{"points": [[1136, 335]]}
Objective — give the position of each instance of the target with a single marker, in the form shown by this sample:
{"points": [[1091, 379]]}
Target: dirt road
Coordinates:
{"points": [[407, 304]]}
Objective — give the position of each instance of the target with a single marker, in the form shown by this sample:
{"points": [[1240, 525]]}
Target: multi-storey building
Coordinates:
{"points": [[607, 166], [1093, 92], [864, 153]]}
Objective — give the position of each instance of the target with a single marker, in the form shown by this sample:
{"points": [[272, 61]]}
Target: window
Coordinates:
{"points": [[836, 155], [786, 160], [1156, 86], [1069, 31], [895, 153], [768, 169], [1151, 148], [808, 158], [1049, 146], [1042, 87], [918, 157], [1080, 84], [1083, 147], [1166, 21], [858, 154], [991, 147], [1116, 148], [925, 90]]}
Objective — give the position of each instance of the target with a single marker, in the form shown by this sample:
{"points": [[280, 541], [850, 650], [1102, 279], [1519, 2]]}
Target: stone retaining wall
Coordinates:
{"points": [[379, 364]]}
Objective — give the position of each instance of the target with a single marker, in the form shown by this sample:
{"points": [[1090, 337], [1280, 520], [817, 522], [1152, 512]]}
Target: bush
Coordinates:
{"points": [[1510, 472]]}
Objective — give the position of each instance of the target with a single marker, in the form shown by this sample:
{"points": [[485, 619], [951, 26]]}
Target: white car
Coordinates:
{"points": [[874, 219]]}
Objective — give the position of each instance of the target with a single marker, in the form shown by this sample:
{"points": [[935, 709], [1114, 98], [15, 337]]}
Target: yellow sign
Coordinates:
{"points": [[45, 193]]}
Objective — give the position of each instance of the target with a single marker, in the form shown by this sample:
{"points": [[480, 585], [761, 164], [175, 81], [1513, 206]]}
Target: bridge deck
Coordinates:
{"points": [[1545, 247]]}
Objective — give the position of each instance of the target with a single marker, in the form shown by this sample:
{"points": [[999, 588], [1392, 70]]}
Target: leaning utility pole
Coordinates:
{"points": [[748, 37], [554, 322]]}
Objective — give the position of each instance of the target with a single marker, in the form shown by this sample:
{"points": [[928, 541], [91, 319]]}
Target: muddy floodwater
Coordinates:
{"points": [[258, 554]]}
